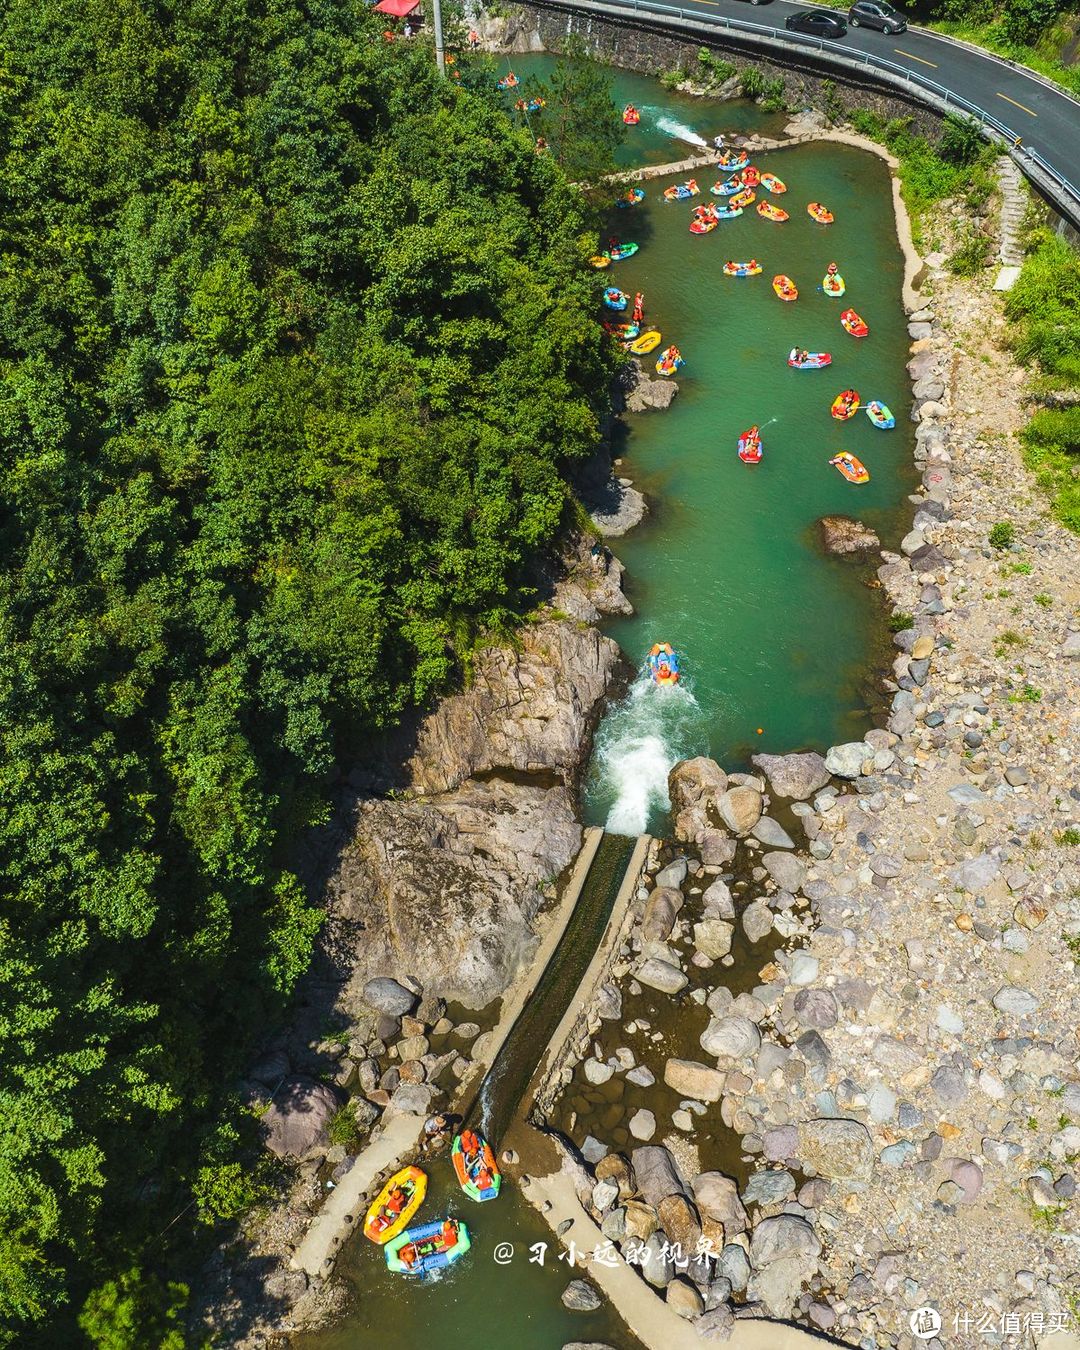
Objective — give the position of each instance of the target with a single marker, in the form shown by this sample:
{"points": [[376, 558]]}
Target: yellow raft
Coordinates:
{"points": [[646, 343], [391, 1210]]}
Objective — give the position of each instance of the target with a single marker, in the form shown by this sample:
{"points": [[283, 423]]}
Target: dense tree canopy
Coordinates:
{"points": [[295, 346]]}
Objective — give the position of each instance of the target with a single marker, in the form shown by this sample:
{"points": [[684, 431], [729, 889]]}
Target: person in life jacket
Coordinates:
{"points": [[639, 306], [474, 39], [832, 269]]}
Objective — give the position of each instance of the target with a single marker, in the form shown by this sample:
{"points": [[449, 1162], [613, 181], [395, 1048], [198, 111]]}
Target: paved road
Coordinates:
{"points": [[1046, 120]]}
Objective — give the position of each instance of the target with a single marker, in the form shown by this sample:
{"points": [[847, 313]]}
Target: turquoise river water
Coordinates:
{"points": [[726, 567]]}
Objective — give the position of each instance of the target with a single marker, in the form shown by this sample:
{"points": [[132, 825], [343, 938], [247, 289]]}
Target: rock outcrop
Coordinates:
{"points": [[846, 537]]}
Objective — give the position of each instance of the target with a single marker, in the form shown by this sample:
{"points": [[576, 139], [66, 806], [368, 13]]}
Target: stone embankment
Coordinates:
{"points": [[902, 1082]]}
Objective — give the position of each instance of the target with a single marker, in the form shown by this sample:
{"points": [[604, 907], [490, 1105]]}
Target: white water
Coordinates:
{"points": [[680, 131], [638, 743]]}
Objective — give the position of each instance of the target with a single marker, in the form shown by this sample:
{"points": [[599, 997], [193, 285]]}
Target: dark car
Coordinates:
{"points": [[817, 22], [876, 14]]}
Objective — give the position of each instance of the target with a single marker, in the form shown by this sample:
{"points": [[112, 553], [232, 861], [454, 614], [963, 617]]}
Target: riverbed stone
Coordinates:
{"points": [[769, 1187], [661, 975], [816, 1008], [780, 1143], [604, 1194], [734, 1266], [385, 995], [580, 1296], [684, 1299], [796, 776], [717, 1199], [837, 1149], [779, 1284], [783, 1235], [656, 1266], [772, 833], [718, 900], [757, 920], [657, 1174], [1016, 1002], [673, 875], [712, 937], [846, 761], [788, 871], [691, 1079], [596, 1071], [679, 1220], [661, 911], [975, 874], [731, 1038], [642, 1124], [641, 1221], [740, 809]]}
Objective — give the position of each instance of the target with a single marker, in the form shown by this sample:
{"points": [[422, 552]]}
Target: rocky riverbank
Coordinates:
{"points": [[898, 1088]]}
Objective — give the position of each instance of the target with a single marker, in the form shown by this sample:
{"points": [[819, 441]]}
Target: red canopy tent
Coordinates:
{"points": [[398, 8]]}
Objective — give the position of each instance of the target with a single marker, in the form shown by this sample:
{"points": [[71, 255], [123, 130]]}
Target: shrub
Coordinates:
{"points": [[961, 140], [1051, 443], [1001, 534], [969, 259], [900, 622], [753, 82], [718, 68]]}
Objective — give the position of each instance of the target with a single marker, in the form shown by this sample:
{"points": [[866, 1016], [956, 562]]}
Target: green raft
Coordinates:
{"points": [[430, 1247]]}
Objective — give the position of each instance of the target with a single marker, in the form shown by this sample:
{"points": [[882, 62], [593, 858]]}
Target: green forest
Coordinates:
{"points": [[297, 346]]}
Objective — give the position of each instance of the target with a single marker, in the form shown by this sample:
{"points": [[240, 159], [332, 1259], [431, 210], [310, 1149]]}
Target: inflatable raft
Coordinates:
{"points": [[631, 198], [646, 343], [750, 177], [845, 405], [853, 324], [821, 214], [750, 446], [395, 1205], [727, 189], [733, 162], [623, 331], [742, 269], [600, 260], [811, 361], [680, 191], [669, 361], [771, 183], [726, 212], [747, 197], [630, 115], [852, 469], [663, 663], [533, 104], [703, 224], [614, 299], [507, 82], [785, 288], [832, 283], [880, 415], [771, 212], [419, 1251], [474, 1166], [619, 252]]}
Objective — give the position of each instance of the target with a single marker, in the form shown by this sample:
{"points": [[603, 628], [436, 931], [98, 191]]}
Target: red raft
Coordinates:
{"points": [[750, 446]]}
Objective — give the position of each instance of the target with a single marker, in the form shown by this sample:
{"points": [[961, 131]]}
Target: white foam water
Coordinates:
{"points": [[680, 131], [638, 743]]}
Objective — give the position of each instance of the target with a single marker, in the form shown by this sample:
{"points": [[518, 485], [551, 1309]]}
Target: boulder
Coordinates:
{"points": [[731, 1038], [838, 1149], [387, 996], [641, 1221], [717, 1199], [718, 900], [740, 809], [772, 833], [757, 920], [661, 910], [697, 1081], [712, 937], [694, 787], [816, 1008], [410, 1099], [844, 537], [642, 1124], [656, 1173], [679, 1220], [788, 871], [296, 1120], [784, 1235], [656, 1266], [661, 975], [580, 1296], [683, 1298], [779, 1284], [651, 395], [796, 776], [846, 761]]}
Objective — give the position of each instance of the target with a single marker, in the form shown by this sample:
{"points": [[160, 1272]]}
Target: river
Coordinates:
{"points": [[726, 568]]}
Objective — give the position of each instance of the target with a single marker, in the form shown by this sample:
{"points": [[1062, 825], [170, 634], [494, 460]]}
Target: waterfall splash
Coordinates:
{"points": [[680, 132], [637, 744]]}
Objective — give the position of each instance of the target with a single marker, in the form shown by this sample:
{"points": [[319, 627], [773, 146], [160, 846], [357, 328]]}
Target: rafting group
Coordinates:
{"points": [[419, 1250]]}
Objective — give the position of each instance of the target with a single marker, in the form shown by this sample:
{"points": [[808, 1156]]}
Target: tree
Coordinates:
{"points": [[580, 120]]}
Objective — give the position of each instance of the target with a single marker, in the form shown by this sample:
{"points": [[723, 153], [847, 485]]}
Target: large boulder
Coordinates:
{"points": [[712, 937], [841, 1150], [694, 787], [387, 996], [785, 1235], [740, 809], [796, 776], [661, 910], [679, 1220], [296, 1120], [731, 1038], [847, 760], [690, 1079], [661, 975], [717, 1198], [656, 1173]]}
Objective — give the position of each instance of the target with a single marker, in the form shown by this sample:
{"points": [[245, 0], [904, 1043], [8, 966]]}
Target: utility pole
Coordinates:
{"points": [[440, 51]]}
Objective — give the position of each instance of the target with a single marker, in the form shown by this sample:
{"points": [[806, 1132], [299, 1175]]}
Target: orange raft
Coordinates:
{"points": [[853, 469], [846, 405], [771, 212], [750, 177], [395, 1205], [631, 116], [853, 324], [821, 214], [785, 288]]}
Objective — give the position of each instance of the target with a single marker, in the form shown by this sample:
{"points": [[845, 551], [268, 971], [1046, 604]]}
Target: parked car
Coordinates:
{"points": [[816, 22], [876, 14]]}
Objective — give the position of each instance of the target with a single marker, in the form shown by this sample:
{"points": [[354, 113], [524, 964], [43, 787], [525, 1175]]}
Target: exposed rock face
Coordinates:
{"points": [[295, 1121], [445, 891], [527, 711], [843, 536], [694, 787], [643, 394]]}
